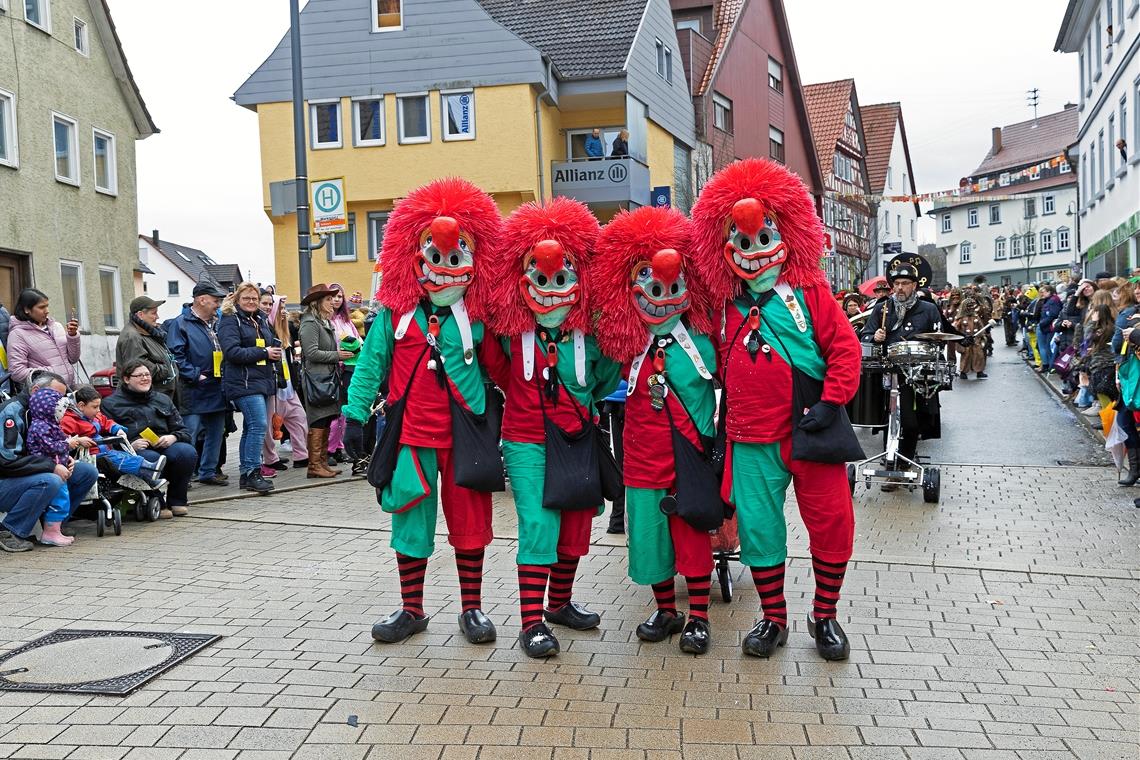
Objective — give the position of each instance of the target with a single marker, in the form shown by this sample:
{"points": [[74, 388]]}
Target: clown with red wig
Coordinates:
{"points": [[424, 343], [553, 375], [655, 319], [758, 243]]}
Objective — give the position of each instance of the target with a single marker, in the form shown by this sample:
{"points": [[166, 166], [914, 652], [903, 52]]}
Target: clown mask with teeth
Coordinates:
{"points": [[549, 283], [754, 249], [659, 291], [445, 261]]}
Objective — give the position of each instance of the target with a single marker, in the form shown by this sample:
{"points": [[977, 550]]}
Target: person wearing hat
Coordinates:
{"points": [[896, 319], [321, 357], [143, 340], [193, 342]]}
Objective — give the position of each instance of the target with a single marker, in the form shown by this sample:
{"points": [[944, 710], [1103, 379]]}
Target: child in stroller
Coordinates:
{"points": [[112, 451]]}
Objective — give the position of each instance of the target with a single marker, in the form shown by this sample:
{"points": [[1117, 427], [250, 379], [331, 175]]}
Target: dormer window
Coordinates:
{"points": [[389, 16]]}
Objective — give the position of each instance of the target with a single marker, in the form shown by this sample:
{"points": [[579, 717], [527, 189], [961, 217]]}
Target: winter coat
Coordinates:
{"points": [[31, 347], [148, 346], [5, 317], [138, 411], [192, 343], [319, 359], [1074, 315], [620, 148], [1050, 309], [74, 423], [45, 437], [594, 147], [242, 374], [15, 461]]}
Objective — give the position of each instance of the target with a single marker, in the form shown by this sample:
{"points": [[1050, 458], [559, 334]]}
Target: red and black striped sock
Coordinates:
{"points": [[561, 582], [532, 590], [828, 582], [412, 572], [770, 586], [666, 595], [699, 596], [469, 563]]}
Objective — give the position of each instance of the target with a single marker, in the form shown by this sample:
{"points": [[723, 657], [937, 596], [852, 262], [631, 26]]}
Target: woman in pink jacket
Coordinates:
{"points": [[36, 341]]}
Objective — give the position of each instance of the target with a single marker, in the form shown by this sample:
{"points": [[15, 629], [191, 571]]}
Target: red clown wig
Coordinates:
{"points": [[478, 217], [631, 237], [564, 220], [784, 196]]}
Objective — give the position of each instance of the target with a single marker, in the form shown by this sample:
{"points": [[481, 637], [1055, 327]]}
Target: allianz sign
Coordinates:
{"points": [[615, 172]]}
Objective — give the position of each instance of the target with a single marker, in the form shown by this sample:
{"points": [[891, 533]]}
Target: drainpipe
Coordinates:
{"points": [[538, 131]]}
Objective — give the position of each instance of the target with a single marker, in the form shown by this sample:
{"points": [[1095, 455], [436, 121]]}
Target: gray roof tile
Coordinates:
{"points": [[584, 38]]}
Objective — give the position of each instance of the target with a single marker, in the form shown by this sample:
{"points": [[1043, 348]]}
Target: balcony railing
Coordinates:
{"points": [[613, 180]]}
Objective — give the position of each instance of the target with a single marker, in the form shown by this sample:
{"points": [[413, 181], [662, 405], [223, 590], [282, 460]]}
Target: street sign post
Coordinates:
{"points": [[330, 211]]}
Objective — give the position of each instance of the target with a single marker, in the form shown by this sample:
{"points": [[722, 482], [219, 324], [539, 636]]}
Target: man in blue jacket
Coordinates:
{"points": [[594, 144], [192, 340], [28, 483], [1050, 310]]}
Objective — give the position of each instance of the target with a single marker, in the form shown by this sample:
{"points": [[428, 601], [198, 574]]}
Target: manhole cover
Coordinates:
{"points": [[96, 662]]}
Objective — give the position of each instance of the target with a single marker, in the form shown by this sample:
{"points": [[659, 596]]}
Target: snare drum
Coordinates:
{"points": [[873, 358], [913, 352]]}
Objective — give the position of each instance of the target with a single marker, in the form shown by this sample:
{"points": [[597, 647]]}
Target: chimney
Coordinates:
{"points": [[993, 152], [154, 237]]}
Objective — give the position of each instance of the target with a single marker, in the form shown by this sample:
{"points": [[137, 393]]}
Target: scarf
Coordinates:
{"points": [[147, 329], [902, 307]]}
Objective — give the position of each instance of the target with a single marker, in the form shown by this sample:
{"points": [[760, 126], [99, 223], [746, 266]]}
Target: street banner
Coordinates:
{"points": [[328, 206]]}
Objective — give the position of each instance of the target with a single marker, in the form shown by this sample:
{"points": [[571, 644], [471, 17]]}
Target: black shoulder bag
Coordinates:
{"points": [[383, 462], [834, 444], [697, 500], [572, 478], [477, 462]]}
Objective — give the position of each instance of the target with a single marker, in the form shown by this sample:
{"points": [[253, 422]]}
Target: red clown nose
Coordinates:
{"points": [[445, 233], [748, 214], [666, 265], [548, 255]]}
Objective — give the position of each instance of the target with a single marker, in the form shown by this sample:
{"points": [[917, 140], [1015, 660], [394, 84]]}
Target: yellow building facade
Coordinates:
{"points": [[503, 159]]}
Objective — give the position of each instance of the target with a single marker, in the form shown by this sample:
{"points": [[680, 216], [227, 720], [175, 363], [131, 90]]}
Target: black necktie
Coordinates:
{"points": [[754, 304]]}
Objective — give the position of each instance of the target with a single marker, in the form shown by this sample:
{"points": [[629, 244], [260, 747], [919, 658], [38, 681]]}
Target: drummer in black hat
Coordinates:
{"points": [[898, 318]]}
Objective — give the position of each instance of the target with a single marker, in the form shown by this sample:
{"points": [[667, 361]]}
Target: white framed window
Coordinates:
{"points": [[1064, 168], [1062, 238], [66, 137], [367, 122], [106, 167], [82, 44], [1015, 247], [995, 213], [172, 288], [1030, 244], [1003, 179], [388, 16], [38, 14], [972, 217], [689, 23], [1048, 205], [722, 113], [324, 124], [999, 249], [669, 65], [964, 253], [775, 75], [9, 144], [946, 223], [1124, 126], [111, 292], [890, 177], [1030, 208], [74, 294], [457, 113], [1046, 241], [413, 116], [664, 62], [377, 220], [1111, 147], [775, 144], [341, 246]]}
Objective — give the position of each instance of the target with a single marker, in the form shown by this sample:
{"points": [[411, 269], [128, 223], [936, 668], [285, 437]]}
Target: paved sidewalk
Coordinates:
{"points": [[958, 656]]}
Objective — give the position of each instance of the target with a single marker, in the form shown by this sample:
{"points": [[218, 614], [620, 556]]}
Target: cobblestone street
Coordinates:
{"points": [[998, 625]]}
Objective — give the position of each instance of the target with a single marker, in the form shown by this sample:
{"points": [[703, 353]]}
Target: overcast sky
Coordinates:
{"points": [[957, 68]]}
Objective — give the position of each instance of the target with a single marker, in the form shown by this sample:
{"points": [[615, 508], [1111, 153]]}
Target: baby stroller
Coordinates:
{"points": [[726, 547], [144, 493]]}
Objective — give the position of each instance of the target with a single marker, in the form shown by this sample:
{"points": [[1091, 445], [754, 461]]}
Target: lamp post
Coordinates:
{"points": [[1075, 269], [305, 247]]}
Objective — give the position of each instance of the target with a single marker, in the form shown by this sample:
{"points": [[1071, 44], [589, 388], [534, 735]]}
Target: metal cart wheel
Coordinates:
{"points": [[851, 478], [118, 521], [931, 485], [153, 507], [100, 522], [724, 576]]}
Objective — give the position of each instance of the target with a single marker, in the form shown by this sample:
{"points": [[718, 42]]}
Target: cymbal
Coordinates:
{"points": [[941, 336]]}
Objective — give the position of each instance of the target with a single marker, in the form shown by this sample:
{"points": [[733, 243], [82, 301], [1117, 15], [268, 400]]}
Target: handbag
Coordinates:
{"points": [[321, 391], [382, 464], [1063, 363], [477, 462], [572, 476], [834, 444], [697, 499]]}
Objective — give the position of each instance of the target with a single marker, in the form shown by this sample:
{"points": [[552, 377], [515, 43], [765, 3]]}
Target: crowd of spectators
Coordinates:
{"points": [[181, 387]]}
